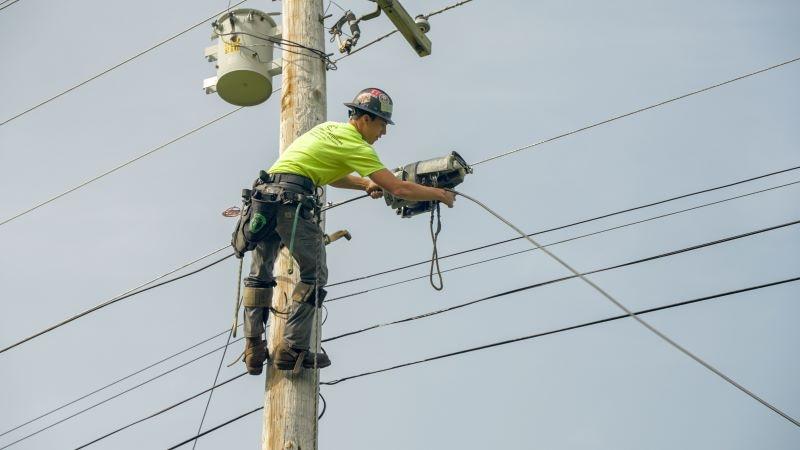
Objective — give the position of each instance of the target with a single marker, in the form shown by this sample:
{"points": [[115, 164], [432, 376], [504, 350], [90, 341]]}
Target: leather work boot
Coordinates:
{"points": [[255, 353], [287, 358]]}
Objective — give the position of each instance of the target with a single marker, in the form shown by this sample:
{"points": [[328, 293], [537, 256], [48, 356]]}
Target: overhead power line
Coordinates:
{"points": [[120, 394], [211, 430], [560, 330], [133, 291], [7, 3], [91, 180], [125, 164], [115, 382], [144, 287], [141, 288], [162, 411], [569, 225], [558, 280], [654, 105], [511, 341], [633, 315], [470, 303], [574, 238], [115, 66]]}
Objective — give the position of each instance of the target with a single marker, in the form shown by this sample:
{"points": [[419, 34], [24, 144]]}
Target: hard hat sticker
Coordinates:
{"points": [[363, 98], [386, 104]]}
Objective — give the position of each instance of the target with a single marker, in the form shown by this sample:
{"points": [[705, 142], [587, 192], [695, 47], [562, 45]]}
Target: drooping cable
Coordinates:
{"points": [[637, 111], [569, 225], [633, 315], [560, 279], [562, 241], [528, 337], [115, 66], [144, 287]]}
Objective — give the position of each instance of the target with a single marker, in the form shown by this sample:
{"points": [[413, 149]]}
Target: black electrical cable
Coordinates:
{"points": [[495, 296], [116, 66], [565, 278], [117, 395], [574, 238], [560, 330], [334, 205], [524, 338], [324, 406], [561, 227], [111, 302], [460, 267], [487, 298], [640, 110], [616, 302], [5, 5], [119, 380], [162, 411], [211, 430], [238, 301]]}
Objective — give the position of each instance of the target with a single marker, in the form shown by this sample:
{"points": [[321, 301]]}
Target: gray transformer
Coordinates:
{"points": [[243, 56]]}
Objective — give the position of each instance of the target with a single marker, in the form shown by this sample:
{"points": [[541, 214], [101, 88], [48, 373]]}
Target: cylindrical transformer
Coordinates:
{"points": [[244, 56]]}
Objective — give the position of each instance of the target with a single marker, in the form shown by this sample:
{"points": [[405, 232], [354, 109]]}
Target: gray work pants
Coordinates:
{"points": [[309, 254]]}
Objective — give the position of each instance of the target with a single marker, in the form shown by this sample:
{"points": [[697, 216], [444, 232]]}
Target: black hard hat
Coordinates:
{"points": [[374, 101]]}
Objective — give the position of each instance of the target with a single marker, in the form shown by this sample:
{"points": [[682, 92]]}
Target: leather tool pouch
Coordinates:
{"points": [[257, 219]]}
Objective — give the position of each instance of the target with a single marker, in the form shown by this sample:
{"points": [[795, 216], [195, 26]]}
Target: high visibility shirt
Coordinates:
{"points": [[328, 152]]}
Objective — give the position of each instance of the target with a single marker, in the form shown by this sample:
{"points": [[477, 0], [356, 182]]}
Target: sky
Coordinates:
{"points": [[501, 75]]}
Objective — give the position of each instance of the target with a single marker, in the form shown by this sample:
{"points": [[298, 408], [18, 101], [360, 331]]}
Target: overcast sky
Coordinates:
{"points": [[501, 75]]}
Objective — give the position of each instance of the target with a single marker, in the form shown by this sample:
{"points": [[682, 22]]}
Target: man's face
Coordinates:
{"points": [[372, 129]]}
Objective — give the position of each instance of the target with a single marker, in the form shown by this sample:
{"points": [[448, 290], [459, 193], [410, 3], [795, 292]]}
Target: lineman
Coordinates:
{"points": [[328, 154]]}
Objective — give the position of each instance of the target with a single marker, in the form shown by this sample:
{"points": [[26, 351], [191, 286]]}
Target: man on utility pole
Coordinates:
{"points": [[284, 208]]}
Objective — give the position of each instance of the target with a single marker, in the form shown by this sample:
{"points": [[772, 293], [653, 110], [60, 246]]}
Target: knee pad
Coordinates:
{"points": [[304, 293], [257, 297]]}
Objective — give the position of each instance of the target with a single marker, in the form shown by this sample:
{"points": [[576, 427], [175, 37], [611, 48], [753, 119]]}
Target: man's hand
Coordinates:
{"points": [[449, 198], [373, 189]]}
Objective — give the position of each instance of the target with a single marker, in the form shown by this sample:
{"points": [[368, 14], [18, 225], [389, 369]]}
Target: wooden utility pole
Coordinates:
{"points": [[291, 401]]}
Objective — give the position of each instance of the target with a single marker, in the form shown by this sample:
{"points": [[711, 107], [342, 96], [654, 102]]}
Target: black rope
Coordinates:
{"points": [[435, 253]]}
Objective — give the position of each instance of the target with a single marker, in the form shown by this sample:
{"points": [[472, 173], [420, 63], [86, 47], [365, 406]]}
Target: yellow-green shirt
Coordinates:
{"points": [[328, 152]]}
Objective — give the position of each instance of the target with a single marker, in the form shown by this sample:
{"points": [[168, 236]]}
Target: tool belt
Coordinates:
{"points": [[258, 217]]}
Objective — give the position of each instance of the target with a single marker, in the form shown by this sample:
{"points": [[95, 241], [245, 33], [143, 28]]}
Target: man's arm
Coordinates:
{"points": [[407, 190], [351, 182]]}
